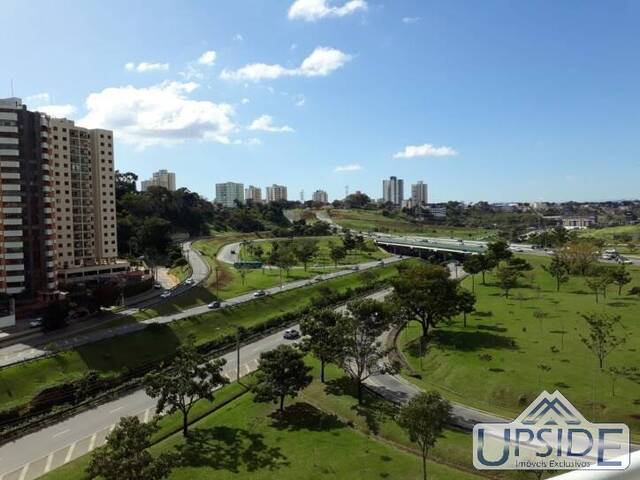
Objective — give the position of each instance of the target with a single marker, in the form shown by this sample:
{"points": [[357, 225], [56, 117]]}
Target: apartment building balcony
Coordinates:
{"points": [[9, 152], [9, 164], [17, 267]]}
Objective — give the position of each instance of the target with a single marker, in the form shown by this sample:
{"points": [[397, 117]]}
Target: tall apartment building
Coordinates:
{"points": [[320, 196], [27, 223], [161, 178], [253, 193], [419, 194], [393, 190], [84, 182], [276, 193], [227, 193]]}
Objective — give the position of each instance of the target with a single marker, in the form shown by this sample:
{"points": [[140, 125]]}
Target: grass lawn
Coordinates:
{"points": [[374, 220], [608, 233], [251, 440], [506, 356], [322, 259], [181, 273], [20, 383]]}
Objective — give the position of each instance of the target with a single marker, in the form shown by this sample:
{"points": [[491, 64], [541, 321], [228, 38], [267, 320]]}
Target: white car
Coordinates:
{"points": [[166, 294], [189, 281], [35, 323], [260, 293]]}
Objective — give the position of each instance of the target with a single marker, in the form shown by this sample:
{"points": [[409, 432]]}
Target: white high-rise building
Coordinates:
{"points": [[393, 190], [419, 193], [320, 196], [227, 193], [253, 193], [276, 193], [161, 178]]}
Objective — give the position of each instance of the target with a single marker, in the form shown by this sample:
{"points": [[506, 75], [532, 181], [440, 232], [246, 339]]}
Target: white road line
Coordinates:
{"points": [[23, 473], [92, 442], [115, 410], [61, 433], [67, 459], [47, 467]]}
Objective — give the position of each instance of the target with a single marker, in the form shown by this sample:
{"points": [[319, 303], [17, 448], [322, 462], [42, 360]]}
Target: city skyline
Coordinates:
{"points": [[521, 113]]}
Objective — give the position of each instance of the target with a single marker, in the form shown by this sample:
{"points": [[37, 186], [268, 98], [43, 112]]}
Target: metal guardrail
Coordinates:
{"points": [[631, 473]]}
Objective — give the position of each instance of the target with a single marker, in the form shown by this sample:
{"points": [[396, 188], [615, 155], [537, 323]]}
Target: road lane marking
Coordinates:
{"points": [[67, 459], [115, 410], [47, 467], [92, 442], [61, 433]]}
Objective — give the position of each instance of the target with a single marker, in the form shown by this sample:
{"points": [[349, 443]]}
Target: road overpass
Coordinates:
{"points": [[425, 248]]}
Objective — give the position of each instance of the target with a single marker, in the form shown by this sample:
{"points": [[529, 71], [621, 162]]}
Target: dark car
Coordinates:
{"points": [[291, 334]]}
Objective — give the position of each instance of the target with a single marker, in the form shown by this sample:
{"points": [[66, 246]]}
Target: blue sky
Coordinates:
{"points": [[491, 100]]}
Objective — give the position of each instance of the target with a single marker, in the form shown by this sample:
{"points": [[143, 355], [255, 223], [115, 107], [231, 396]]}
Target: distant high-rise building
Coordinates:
{"points": [[253, 193], [320, 196], [419, 193], [276, 193], [161, 178], [393, 190], [227, 193]]}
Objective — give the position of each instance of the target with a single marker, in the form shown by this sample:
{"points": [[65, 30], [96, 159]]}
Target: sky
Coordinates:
{"points": [[494, 100]]}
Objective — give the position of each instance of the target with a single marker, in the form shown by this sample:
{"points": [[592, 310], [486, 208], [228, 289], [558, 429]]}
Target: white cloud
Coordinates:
{"points": [[244, 101], [347, 168], [38, 99], [208, 58], [144, 67], [162, 114], [410, 20], [253, 141], [58, 111], [238, 37], [312, 10], [426, 150], [264, 123], [300, 100], [321, 62]]}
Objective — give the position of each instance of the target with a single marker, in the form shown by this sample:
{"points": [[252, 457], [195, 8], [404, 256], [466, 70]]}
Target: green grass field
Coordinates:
{"points": [[20, 383], [248, 440], [608, 233], [374, 220], [498, 363], [322, 259]]}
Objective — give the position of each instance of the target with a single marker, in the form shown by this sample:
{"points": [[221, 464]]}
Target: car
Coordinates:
{"points": [[318, 278], [291, 334], [157, 285], [259, 293], [215, 304], [189, 281], [233, 252], [165, 294], [35, 323], [381, 263], [355, 268]]}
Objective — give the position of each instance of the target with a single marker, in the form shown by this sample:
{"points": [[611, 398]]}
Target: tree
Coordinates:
{"points": [[601, 339], [597, 283], [558, 270], [189, 377], [424, 418], [620, 277], [125, 456], [283, 258], [125, 183], [323, 338], [498, 251], [467, 302], [362, 353], [427, 294], [305, 251], [281, 373], [337, 253], [55, 315], [578, 255], [348, 241], [368, 278], [620, 372], [473, 265], [520, 265], [507, 279]]}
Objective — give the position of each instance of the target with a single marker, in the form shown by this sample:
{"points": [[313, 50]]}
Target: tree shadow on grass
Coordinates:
{"points": [[302, 416], [225, 448], [618, 304], [373, 410], [492, 328], [471, 341], [479, 313]]}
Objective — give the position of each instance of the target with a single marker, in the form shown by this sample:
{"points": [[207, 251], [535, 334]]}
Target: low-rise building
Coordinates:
{"points": [[579, 222]]}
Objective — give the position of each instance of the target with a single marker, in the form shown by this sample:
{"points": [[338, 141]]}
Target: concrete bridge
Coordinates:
{"points": [[429, 248]]}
